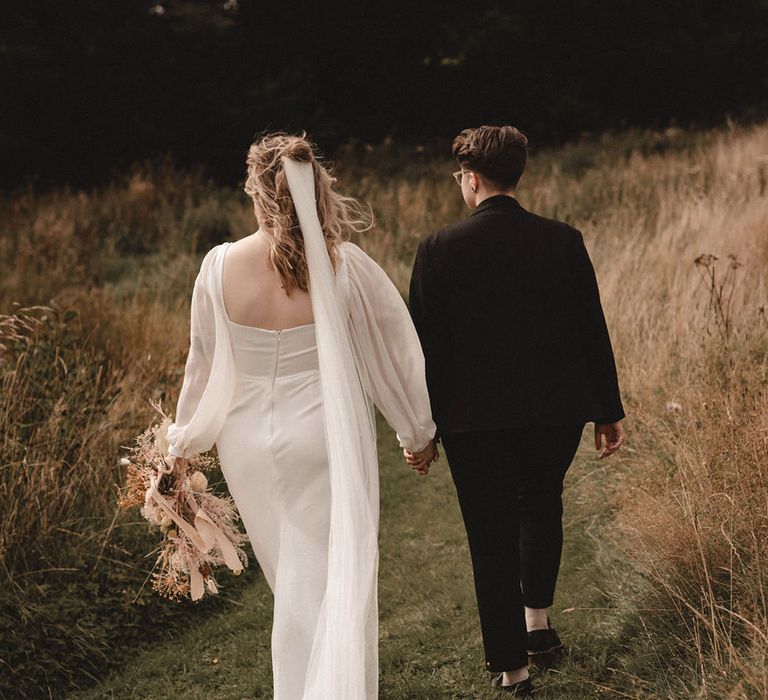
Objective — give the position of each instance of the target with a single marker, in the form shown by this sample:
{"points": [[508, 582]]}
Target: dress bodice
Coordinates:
{"points": [[259, 353]]}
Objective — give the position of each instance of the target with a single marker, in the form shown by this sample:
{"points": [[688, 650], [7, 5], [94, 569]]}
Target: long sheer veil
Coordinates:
{"points": [[344, 659]]}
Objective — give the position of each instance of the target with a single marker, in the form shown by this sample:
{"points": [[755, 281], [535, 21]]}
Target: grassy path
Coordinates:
{"points": [[430, 640]]}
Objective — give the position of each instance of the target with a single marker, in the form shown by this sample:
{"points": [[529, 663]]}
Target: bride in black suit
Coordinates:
{"points": [[518, 359]]}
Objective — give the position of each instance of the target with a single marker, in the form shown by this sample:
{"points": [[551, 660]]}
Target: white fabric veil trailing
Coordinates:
{"points": [[344, 660]]}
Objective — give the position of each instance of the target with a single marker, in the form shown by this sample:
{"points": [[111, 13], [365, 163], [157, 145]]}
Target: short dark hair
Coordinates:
{"points": [[497, 152]]}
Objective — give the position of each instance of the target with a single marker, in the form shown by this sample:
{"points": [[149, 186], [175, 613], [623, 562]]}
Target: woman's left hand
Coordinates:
{"points": [[420, 461]]}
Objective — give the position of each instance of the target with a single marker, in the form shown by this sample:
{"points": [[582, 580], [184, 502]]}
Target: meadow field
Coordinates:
{"points": [[664, 585]]}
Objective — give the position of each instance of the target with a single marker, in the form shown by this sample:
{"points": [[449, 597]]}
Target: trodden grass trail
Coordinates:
{"points": [[430, 644]]}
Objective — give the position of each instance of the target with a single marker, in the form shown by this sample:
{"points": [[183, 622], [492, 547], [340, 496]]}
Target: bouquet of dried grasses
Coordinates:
{"points": [[199, 528]]}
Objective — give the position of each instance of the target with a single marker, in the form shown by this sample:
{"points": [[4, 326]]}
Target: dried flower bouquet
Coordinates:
{"points": [[199, 528]]}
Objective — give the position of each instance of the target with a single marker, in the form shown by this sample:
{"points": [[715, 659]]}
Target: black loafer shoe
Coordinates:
{"points": [[545, 648], [521, 689]]}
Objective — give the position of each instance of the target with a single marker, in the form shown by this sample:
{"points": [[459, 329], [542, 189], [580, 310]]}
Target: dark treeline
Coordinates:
{"points": [[89, 87]]}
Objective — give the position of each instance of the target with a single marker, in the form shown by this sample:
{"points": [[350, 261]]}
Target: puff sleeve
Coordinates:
{"points": [[208, 373], [390, 358]]}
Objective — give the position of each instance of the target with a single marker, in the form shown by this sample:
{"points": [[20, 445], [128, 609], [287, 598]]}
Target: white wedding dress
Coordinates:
{"points": [[257, 394]]}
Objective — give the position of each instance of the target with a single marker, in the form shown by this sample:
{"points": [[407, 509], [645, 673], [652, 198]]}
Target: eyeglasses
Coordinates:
{"points": [[458, 175]]}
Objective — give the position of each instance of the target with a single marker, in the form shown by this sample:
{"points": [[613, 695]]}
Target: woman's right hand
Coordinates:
{"points": [[180, 465]]}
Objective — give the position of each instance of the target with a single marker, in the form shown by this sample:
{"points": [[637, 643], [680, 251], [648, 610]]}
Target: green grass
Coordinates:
{"points": [[430, 645]]}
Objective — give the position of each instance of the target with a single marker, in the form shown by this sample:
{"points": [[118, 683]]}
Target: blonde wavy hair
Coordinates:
{"points": [[267, 185]]}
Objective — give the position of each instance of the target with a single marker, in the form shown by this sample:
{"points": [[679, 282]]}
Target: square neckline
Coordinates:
{"points": [[243, 325]]}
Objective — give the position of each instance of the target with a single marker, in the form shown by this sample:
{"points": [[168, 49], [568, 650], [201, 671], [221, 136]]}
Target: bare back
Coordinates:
{"points": [[253, 295]]}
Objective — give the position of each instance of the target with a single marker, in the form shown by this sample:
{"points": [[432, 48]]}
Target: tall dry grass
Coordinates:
{"points": [[95, 290], [689, 496], [687, 295]]}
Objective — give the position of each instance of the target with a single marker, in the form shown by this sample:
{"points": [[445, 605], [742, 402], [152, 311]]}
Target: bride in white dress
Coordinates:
{"points": [[295, 334]]}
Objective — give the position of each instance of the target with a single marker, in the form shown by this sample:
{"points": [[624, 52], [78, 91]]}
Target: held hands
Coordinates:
{"points": [[419, 461], [612, 433]]}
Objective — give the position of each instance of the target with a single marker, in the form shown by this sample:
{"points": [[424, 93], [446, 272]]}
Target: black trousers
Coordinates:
{"points": [[510, 484]]}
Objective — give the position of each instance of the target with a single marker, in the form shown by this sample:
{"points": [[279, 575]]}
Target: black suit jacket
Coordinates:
{"points": [[508, 311]]}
